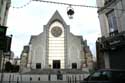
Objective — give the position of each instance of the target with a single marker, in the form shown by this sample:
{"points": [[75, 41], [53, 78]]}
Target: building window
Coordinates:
{"points": [[38, 65], [112, 21]]}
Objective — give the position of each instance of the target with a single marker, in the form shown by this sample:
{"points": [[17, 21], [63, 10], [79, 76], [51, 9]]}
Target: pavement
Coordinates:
{"points": [[42, 82]]}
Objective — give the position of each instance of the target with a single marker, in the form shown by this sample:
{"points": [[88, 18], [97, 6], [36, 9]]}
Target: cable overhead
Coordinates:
{"points": [[53, 2], [61, 3], [26, 4]]}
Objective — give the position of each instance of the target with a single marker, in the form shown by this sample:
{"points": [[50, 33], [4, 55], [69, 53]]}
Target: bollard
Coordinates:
{"points": [[17, 79], [79, 77], [49, 77], [30, 79], [70, 80], [75, 79], [10, 78]]}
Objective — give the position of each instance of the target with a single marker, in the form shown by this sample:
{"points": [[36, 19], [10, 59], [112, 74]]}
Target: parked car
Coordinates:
{"points": [[106, 76]]}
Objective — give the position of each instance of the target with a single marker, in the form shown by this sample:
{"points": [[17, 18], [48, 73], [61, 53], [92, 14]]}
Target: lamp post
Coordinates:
{"points": [[10, 78]]}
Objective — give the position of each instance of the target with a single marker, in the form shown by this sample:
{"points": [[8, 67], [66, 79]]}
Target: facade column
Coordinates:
{"points": [[106, 60]]}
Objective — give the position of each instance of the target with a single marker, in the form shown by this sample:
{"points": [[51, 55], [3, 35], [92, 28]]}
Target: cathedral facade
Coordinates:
{"points": [[57, 48]]}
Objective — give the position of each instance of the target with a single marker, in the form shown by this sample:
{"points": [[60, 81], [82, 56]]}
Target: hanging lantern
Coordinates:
{"points": [[70, 12]]}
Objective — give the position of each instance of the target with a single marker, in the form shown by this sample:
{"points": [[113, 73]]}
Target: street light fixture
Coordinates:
{"points": [[70, 12]]}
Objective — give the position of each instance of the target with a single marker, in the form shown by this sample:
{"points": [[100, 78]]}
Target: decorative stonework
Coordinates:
{"points": [[56, 42], [56, 31]]}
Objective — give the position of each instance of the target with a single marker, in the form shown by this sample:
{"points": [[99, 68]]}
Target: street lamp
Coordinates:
{"points": [[70, 12]]}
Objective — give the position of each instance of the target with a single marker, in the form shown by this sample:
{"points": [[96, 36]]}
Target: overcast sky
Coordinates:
{"points": [[29, 20]]}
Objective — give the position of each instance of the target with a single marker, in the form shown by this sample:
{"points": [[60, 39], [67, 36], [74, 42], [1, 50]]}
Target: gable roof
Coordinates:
{"points": [[56, 17]]}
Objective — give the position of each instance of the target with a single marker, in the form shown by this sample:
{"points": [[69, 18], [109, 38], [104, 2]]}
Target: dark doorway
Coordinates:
{"points": [[56, 64], [117, 58], [74, 66], [38, 65]]}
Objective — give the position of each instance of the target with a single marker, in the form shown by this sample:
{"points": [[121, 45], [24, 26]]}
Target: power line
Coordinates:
{"points": [[52, 2], [26, 4], [61, 3]]}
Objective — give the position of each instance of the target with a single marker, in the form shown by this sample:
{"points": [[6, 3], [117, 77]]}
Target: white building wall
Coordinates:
{"points": [[74, 49], [29, 56], [100, 3], [38, 51], [104, 25], [56, 46], [120, 17], [4, 8]]}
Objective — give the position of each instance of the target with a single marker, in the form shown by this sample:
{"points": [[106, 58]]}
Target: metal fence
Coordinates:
{"points": [[38, 78]]}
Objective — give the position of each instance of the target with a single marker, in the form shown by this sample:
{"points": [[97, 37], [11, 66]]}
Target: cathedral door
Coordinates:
{"points": [[74, 65], [56, 64]]}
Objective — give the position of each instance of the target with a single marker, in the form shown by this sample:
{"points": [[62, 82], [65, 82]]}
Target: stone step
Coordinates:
{"points": [[55, 71]]}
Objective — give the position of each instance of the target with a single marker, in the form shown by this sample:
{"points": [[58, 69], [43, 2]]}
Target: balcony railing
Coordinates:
{"points": [[114, 33], [113, 42]]}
